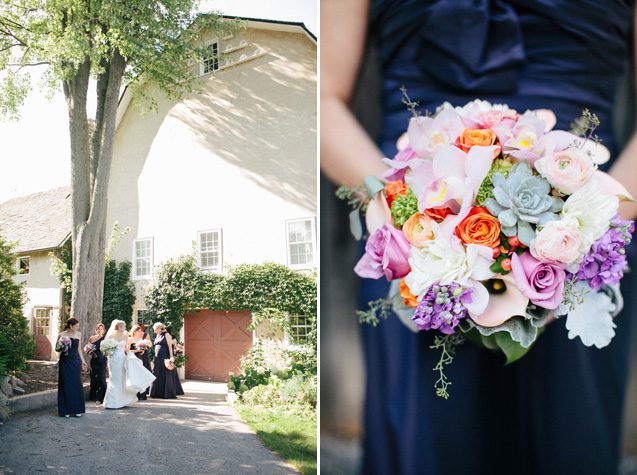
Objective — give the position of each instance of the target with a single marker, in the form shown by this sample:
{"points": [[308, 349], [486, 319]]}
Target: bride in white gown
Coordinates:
{"points": [[127, 374]]}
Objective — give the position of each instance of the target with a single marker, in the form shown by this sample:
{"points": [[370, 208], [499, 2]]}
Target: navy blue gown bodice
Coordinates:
{"points": [[559, 409], [70, 387]]}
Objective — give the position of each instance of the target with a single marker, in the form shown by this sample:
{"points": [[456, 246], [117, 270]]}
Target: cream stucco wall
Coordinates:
{"points": [[42, 290], [239, 155]]}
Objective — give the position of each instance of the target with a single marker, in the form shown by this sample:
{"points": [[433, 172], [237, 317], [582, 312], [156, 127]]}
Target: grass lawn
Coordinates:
{"points": [[291, 436]]}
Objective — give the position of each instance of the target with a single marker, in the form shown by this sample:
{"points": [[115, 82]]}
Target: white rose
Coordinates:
{"points": [[442, 259], [593, 211], [567, 170], [559, 241], [445, 259]]}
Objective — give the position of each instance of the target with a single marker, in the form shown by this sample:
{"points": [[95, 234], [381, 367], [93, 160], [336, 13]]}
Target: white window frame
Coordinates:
{"points": [[137, 311], [289, 338], [210, 268], [202, 67], [148, 276], [17, 265], [306, 266], [49, 317]]}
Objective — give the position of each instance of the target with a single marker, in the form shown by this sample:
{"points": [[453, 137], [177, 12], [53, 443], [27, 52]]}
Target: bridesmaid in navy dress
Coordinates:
{"points": [[174, 374], [71, 365], [559, 409], [98, 366], [164, 386], [137, 333]]}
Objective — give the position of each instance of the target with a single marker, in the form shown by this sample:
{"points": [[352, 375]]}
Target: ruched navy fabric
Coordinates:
{"points": [[559, 409]]}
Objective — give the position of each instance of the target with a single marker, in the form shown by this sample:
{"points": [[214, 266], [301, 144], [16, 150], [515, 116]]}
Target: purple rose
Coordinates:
{"points": [[541, 282], [386, 253]]}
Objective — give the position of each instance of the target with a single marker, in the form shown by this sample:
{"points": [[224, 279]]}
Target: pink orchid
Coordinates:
{"points": [[525, 140], [400, 164], [427, 134], [452, 178]]}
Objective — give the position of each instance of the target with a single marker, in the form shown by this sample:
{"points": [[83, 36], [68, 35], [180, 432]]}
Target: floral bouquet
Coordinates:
{"points": [[180, 356], [490, 224], [108, 346], [89, 349], [63, 344], [142, 344]]}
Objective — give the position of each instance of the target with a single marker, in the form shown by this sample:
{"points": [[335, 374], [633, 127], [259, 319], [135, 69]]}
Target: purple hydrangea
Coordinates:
{"points": [[442, 308], [606, 260]]}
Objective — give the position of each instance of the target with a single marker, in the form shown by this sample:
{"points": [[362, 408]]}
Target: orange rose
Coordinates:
{"points": [[393, 189], [410, 299], [417, 229], [482, 137], [479, 227], [439, 214]]}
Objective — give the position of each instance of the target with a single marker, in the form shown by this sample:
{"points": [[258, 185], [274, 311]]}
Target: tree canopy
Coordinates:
{"points": [[115, 42]]}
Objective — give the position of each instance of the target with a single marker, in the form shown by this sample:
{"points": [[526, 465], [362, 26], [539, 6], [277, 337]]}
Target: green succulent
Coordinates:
{"points": [[521, 200]]}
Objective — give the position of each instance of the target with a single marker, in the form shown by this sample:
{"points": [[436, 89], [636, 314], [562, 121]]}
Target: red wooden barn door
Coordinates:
{"points": [[215, 343]]}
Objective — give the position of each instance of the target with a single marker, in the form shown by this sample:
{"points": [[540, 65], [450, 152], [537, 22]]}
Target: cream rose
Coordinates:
{"points": [[593, 211], [558, 241], [568, 170]]}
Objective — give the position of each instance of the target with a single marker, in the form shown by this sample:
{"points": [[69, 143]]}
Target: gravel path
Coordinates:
{"points": [[195, 434]]}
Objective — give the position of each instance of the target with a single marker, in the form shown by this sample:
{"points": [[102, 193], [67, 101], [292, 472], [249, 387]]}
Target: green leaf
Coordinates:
{"points": [[511, 349], [489, 342], [373, 185], [355, 225]]}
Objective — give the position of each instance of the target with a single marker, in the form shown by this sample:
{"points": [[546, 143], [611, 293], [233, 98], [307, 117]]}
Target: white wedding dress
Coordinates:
{"points": [[127, 377]]}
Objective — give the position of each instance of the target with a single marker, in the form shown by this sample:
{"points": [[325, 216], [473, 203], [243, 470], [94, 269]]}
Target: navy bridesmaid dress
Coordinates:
{"points": [[559, 409], [70, 388], [164, 386], [98, 373], [178, 388], [146, 362]]}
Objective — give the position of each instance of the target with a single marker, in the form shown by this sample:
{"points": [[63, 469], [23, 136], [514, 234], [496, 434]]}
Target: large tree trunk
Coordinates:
{"points": [[90, 171]]}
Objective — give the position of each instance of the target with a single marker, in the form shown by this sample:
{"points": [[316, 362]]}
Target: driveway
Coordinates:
{"points": [[195, 434]]}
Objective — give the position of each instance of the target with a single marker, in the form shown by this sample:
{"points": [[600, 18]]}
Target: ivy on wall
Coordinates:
{"points": [[267, 290], [119, 293]]}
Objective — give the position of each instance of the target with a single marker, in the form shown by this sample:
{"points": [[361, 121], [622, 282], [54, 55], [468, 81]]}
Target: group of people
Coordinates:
{"points": [[131, 377]]}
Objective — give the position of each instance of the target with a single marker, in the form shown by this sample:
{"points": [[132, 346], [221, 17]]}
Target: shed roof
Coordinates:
{"points": [[39, 221]]}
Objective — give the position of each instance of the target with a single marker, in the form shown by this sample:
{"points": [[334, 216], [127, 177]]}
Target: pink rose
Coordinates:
{"points": [[558, 241], [492, 117], [567, 170], [541, 282], [386, 253]]}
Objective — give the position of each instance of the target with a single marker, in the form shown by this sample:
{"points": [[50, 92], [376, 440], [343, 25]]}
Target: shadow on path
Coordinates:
{"points": [[195, 434]]}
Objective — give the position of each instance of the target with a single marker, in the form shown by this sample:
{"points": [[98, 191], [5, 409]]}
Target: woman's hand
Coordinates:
{"points": [[85, 367], [348, 154]]}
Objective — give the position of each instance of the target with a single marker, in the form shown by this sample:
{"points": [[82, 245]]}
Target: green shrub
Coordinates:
{"points": [[299, 389], [254, 371], [302, 359], [16, 343]]}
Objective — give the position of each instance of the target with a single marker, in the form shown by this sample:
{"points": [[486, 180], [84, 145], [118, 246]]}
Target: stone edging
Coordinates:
{"points": [[35, 401]]}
